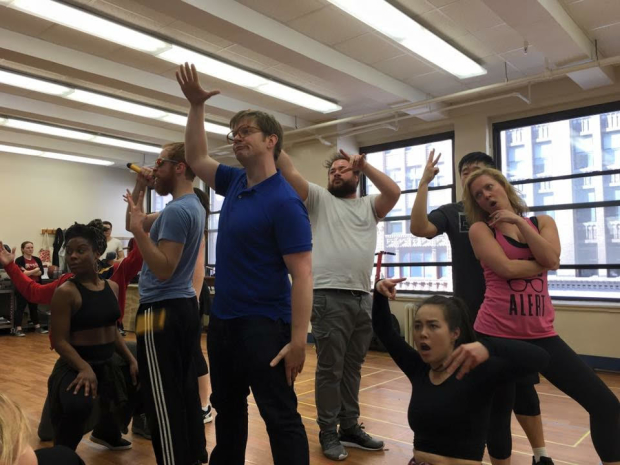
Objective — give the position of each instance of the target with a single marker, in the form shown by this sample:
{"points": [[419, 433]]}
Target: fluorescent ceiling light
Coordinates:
{"points": [[75, 158], [20, 150], [90, 24], [126, 144], [215, 68], [25, 82], [390, 21], [112, 103], [104, 101], [46, 129], [79, 135], [108, 30], [56, 156], [298, 97]]}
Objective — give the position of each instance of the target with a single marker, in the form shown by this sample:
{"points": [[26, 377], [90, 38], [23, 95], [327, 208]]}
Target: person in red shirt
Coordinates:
{"points": [[32, 267], [38, 293]]}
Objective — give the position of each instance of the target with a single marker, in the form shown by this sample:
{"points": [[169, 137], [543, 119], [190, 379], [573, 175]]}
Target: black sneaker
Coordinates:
{"points": [[121, 444], [357, 437], [19, 333], [332, 448], [140, 426], [207, 414], [542, 461]]}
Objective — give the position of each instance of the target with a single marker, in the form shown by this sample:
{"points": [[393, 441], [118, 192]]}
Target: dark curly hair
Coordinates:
{"points": [[92, 232]]}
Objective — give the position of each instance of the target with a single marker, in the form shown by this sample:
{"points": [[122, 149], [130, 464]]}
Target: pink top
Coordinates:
{"points": [[515, 308]]}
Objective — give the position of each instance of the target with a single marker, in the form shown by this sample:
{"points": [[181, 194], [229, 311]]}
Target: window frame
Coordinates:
{"points": [[591, 110], [421, 140]]}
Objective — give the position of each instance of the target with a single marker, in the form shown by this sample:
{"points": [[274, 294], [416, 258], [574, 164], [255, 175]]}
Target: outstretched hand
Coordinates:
{"points": [[187, 77], [6, 257], [136, 212], [387, 287]]}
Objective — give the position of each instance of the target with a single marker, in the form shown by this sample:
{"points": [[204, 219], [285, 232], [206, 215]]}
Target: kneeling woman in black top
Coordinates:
{"points": [[84, 313], [448, 412]]}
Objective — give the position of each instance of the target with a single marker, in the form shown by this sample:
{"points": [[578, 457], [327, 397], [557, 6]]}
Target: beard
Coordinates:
{"points": [[344, 189], [163, 187]]}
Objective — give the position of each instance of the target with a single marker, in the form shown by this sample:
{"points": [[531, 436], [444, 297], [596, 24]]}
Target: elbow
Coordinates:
{"points": [[551, 263]]}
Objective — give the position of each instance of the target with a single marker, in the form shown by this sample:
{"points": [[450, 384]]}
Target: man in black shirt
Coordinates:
{"points": [[467, 276]]}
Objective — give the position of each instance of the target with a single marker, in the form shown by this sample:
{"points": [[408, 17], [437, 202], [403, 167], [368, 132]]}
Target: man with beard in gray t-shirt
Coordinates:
{"points": [[344, 230]]}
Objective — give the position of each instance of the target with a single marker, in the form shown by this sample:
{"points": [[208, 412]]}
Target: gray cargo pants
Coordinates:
{"points": [[342, 329]]}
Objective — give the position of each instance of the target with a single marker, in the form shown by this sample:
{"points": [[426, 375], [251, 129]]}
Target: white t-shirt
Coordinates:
{"points": [[344, 233], [114, 245]]}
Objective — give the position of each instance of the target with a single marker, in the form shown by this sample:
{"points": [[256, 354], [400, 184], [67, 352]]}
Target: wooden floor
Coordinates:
{"points": [[384, 397]]}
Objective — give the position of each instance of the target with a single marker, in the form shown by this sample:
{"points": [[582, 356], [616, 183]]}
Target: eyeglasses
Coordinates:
{"points": [[243, 132], [161, 161], [519, 285]]}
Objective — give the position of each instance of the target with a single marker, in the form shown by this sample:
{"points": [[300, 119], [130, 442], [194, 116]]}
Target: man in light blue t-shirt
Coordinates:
{"points": [[168, 322]]}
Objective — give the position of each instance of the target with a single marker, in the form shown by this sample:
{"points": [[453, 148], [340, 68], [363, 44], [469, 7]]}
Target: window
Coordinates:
{"points": [[426, 263], [157, 202], [571, 171]]}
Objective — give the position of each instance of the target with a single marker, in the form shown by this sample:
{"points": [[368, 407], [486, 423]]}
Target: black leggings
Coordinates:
{"points": [[569, 373], [20, 304]]}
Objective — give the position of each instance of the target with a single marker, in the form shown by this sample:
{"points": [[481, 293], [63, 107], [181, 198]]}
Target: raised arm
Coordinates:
{"points": [[144, 180], [405, 356], [489, 252], [196, 152], [163, 257], [389, 192], [420, 225], [294, 177], [544, 244]]}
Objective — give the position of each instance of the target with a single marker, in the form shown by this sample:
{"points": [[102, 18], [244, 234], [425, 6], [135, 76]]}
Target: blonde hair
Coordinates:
{"points": [[14, 431], [472, 209]]}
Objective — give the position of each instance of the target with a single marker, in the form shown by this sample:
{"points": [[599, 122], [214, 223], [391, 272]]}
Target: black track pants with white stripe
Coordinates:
{"points": [[168, 332]]}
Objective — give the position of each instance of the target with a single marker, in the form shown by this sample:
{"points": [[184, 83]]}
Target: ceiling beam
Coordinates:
{"points": [[559, 14], [43, 50], [15, 105], [274, 31]]}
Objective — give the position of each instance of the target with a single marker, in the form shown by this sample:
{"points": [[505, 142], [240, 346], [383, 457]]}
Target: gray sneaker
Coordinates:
{"points": [[332, 449], [19, 333], [41, 330], [357, 437]]}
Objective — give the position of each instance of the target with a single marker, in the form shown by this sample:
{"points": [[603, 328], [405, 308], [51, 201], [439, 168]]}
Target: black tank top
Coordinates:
{"points": [[99, 308]]}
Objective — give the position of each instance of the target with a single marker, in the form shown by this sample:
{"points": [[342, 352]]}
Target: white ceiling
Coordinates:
{"points": [[310, 44]]}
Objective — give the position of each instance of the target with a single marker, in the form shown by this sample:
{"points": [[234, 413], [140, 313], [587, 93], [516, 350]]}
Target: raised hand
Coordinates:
{"points": [[6, 257], [187, 77], [387, 287], [136, 212], [465, 358], [356, 162], [430, 170], [145, 178]]}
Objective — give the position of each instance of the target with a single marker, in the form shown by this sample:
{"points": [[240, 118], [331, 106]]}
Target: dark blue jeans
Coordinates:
{"points": [[240, 351]]}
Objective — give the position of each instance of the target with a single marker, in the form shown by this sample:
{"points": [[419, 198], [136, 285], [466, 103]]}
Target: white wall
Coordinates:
{"points": [[40, 193]]}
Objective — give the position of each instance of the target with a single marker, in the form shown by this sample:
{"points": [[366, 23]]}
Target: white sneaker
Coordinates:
{"points": [[207, 414]]}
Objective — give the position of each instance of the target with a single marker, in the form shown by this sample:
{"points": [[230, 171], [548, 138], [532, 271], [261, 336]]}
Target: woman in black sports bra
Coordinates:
{"points": [[88, 373]]}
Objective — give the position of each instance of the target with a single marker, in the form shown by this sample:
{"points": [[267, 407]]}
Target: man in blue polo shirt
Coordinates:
{"points": [[259, 323]]}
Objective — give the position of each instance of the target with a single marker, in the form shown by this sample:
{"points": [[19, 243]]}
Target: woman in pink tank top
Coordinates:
{"points": [[515, 253]]}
